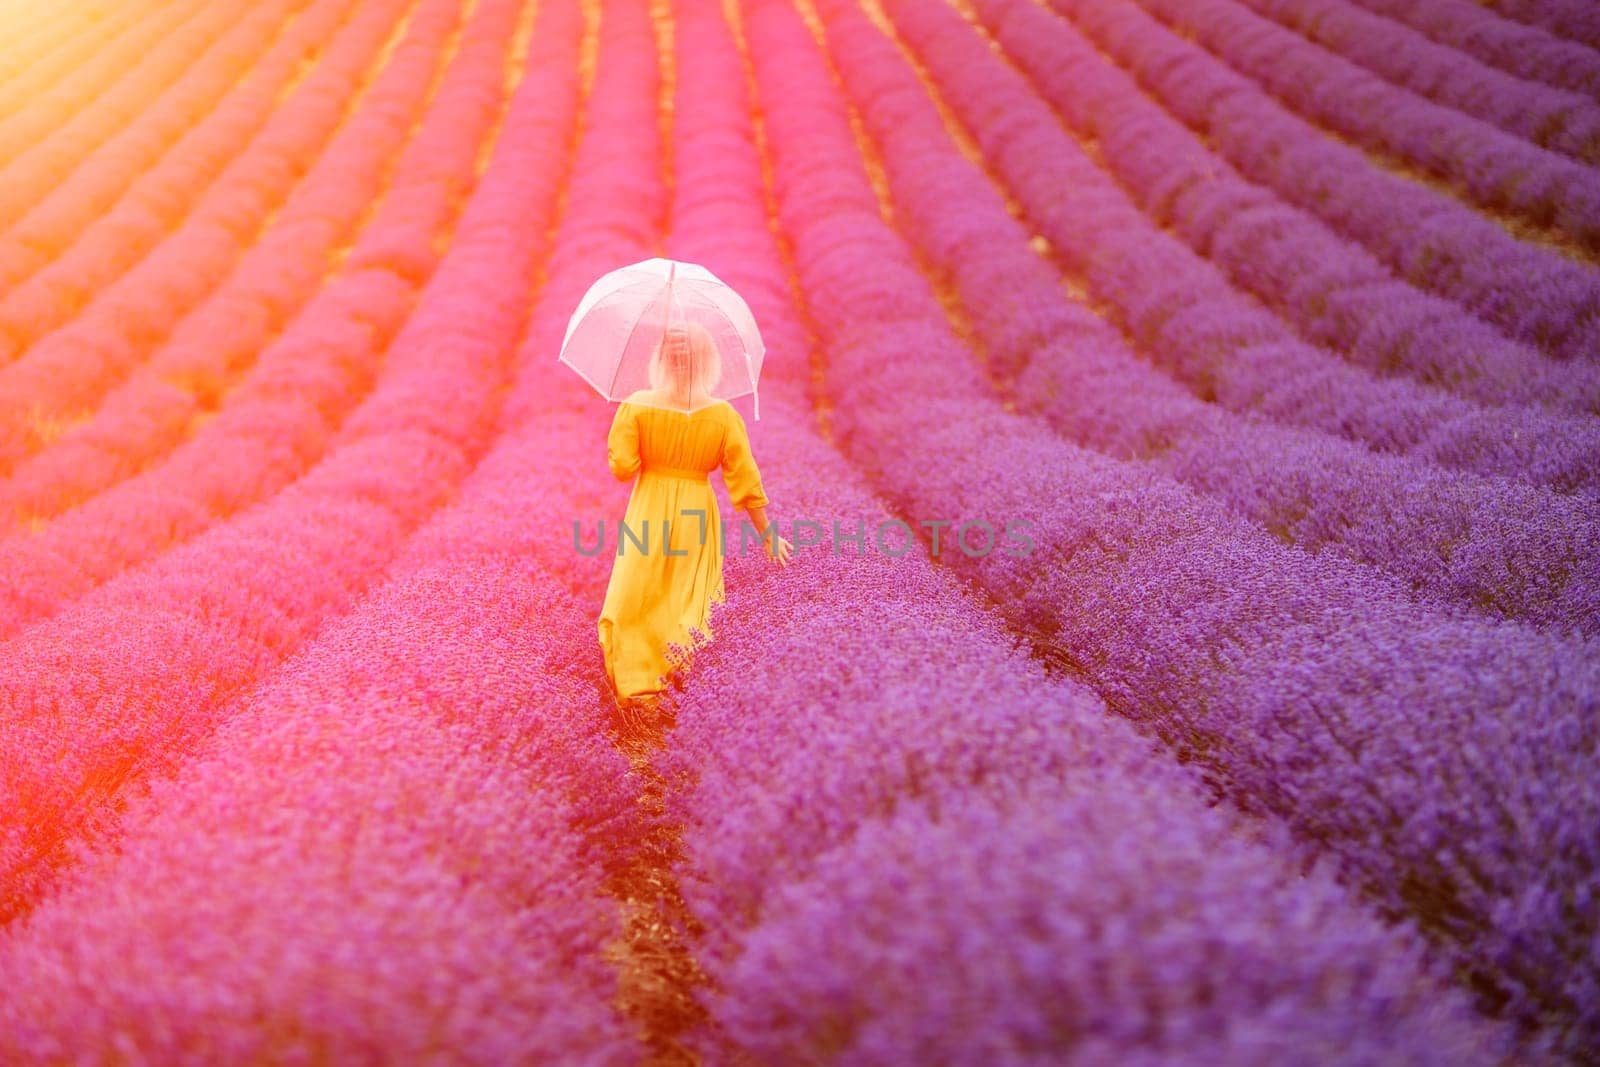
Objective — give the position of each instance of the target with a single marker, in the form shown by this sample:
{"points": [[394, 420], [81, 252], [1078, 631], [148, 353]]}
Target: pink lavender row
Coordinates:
{"points": [[1308, 687], [545, 471], [1525, 51], [1495, 168], [440, 845], [136, 188], [1429, 240], [40, 145], [1334, 291], [63, 367], [1562, 121], [1513, 551], [148, 658], [68, 371], [308, 384], [964, 844], [199, 372], [69, 75], [1574, 19], [356, 870], [55, 43], [1181, 312]]}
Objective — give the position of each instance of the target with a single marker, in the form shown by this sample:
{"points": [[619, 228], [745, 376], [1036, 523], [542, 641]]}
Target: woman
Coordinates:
{"points": [[668, 570]]}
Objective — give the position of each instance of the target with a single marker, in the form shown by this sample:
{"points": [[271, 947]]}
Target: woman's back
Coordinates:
{"points": [[680, 440], [658, 598]]}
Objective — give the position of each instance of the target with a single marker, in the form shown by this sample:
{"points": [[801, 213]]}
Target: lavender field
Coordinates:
{"points": [[1275, 323]]}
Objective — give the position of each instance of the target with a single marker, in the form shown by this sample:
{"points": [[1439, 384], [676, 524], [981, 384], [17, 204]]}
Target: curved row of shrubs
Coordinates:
{"points": [[1308, 688]]}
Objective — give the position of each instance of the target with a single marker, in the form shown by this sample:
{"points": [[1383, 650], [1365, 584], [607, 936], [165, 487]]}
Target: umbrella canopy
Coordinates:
{"points": [[665, 333]]}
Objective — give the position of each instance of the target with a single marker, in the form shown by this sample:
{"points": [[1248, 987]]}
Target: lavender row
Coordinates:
{"points": [[41, 144], [356, 872], [132, 192], [1182, 314], [1307, 687], [210, 361], [808, 790], [1574, 19], [946, 903], [1525, 51], [52, 47], [56, 319], [1562, 121], [1517, 552], [1335, 292], [65, 76], [497, 651], [35, 35], [111, 331], [84, 323], [491, 754], [158, 650], [1428, 239], [794, 777], [312, 382], [494, 808], [1495, 168]]}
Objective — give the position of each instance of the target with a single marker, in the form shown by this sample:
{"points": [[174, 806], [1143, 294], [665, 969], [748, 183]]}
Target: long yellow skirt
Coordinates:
{"points": [[666, 574]]}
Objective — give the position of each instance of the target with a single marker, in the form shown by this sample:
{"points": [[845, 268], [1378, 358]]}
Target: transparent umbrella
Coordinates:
{"points": [[712, 350]]}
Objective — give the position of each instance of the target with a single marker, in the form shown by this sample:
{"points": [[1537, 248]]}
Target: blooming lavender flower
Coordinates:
{"points": [[1525, 51], [1430, 240], [204, 358], [1569, 18], [1307, 687], [1331, 290], [1310, 489], [144, 661], [1566, 122], [1495, 169]]}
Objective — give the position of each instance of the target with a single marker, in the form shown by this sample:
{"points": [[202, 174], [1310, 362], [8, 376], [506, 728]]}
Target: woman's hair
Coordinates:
{"points": [[686, 356]]}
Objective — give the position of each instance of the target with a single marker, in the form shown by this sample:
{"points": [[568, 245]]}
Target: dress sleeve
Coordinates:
{"points": [[622, 444], [739, 467]]}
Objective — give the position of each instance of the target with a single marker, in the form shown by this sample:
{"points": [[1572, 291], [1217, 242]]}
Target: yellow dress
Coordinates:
{"points": [[667, 571]]}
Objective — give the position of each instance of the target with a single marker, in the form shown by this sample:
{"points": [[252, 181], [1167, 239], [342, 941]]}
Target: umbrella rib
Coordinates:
{"points": [[716, 308], [625, 341], [694, 299]]}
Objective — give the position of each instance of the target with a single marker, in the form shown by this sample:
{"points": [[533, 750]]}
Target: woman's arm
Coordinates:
{"points": [[622, 444], [776, 547], [745, 491]]}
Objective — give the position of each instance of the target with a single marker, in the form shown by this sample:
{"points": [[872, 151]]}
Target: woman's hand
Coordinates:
{"points": [[778, 549]]}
